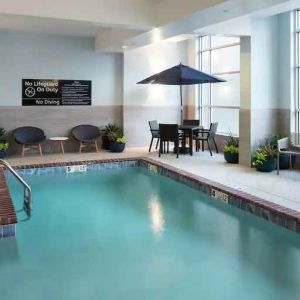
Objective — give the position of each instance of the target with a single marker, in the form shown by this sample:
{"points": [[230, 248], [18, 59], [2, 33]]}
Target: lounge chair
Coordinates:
{"points": [[283, 147], [86, 135], [29, 137]]}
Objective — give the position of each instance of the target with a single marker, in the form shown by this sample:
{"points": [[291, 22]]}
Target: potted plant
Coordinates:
{"points": [[264, 158], [284, 159], [3, 143], [231, 150], [111, 133], [118, 145]]}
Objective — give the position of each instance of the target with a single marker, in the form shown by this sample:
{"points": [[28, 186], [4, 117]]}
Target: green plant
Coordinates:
{"points": [[264, 153], [3, 146], [232, 144], [121, 140], [231, 149], [232, 140], [113, 132], [2, 132]]}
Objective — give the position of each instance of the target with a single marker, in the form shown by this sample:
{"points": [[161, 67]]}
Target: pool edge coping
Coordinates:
{"points": [[8, 216], [275, 213]]}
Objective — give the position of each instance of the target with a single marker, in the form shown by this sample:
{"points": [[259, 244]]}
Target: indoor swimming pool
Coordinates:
{"points": [[129, 233]]}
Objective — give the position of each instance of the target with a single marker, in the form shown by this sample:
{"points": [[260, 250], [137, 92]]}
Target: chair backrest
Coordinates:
{"points": [[154, 128], [191, 122], [29, 135], [213, 130], [283, 144], [86, 132], [168, 132]]}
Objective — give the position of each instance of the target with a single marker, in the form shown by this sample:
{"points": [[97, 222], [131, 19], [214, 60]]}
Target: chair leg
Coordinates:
{"points": [[23, 150], [278, 159], [62, 147], [291, 167], [40, 148], [202, 146], [80, 147], [160, 147], [208, 144], [177, 148], [157, 144], [96, 146], [167, 147], [216, 147], [151, 144]]}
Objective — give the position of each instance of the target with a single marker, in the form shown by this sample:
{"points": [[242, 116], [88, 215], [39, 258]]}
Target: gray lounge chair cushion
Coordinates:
{"points": [[86, 133], [29, 135]]}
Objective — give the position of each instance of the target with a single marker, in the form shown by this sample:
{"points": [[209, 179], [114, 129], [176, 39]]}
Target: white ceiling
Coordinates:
{"points": [[236, 27], [87, 18], [135, 23], [49, 26]]}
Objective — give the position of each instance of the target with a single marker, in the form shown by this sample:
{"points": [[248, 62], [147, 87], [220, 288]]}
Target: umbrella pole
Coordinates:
{"points": [[181, 108]]}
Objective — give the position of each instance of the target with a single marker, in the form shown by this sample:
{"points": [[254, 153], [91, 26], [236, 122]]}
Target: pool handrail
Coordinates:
{"points": [[27, 205]]}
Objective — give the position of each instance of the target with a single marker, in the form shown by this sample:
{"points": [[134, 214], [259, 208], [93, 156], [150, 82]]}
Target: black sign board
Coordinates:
{"points": [[56, 92]]}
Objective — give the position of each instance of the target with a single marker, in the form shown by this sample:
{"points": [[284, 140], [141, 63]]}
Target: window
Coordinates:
{"points": [[219, 102], [297, 78]]}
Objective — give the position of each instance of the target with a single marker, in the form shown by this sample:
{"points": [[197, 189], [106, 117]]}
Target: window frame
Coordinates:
{"points": [[200, 107], [297, 76]]}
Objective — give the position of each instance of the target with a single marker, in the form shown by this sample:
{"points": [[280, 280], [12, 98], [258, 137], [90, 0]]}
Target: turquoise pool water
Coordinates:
{"points": [[132, 234]]}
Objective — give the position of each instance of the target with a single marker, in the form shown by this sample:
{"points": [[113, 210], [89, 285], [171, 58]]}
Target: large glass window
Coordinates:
{"points": [[297, 78], [219, 102]]}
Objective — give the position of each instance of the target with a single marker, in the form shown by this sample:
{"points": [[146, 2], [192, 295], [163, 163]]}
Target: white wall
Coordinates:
{"points": [[267, 96], [148, 102], [55, 57], [145, 61], [264, 63]]}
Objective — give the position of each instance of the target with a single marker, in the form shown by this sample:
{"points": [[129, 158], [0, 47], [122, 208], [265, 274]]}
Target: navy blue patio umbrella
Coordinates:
{"points": [[181, 75]]}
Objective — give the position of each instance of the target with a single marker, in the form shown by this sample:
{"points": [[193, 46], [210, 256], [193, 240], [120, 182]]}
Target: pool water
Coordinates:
{"points": [[132, 234]]}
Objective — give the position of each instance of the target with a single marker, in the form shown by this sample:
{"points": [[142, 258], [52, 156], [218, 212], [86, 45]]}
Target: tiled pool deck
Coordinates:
{"points": [[263, 208]]}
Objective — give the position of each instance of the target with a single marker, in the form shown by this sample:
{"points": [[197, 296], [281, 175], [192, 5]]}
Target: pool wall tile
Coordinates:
{"points": [[9, 230], [291, 224], [258, 211]]}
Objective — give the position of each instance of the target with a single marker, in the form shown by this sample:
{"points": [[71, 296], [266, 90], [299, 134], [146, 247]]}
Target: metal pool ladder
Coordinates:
{"points": [[27, 190]]}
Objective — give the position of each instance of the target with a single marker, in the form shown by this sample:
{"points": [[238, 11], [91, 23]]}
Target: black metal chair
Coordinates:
{"points": [[86, 135], [191, 122], [168, 133], [30, 137], [154, 129], [207, 136]]}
